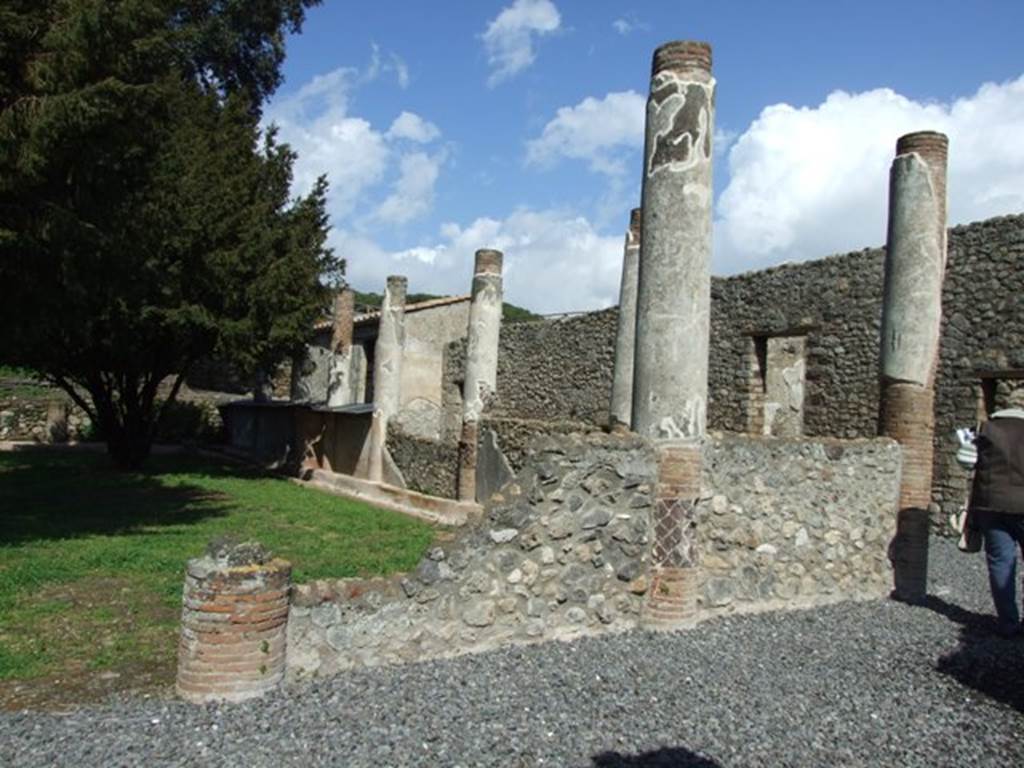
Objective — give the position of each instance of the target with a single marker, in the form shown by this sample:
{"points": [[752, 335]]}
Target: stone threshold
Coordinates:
{"points": [[432, 509]]}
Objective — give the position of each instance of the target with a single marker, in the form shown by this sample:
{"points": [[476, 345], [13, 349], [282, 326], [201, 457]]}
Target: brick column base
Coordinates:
{"points": [[908, 416], [233, 629], [672, 599]]}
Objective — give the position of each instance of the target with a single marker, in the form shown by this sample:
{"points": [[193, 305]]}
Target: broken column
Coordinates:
{"points": [[341, 388], [625, 338], [915, 264], [322, 374], [233, 624], [481, 362], [673, 307], [387, 370]]}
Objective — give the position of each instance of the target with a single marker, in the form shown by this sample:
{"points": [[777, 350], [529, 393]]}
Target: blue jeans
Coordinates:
{"points": [[1004, 535]]}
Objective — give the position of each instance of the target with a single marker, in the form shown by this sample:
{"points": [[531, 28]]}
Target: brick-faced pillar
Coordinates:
{"points": [[481, 362], [670, 378], [621, 415], [341, 389], [915, 264], [233, 625], [672, 599], [387, 370]]}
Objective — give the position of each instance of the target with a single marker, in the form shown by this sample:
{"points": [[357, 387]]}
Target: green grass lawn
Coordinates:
{"points": [[92, 559]]}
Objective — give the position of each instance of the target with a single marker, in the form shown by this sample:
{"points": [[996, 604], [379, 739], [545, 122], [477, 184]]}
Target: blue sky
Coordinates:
{"points": [[449, 126]]}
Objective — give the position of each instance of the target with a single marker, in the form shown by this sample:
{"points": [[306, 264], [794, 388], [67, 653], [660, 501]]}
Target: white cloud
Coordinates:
{"points": [[401, 70], [411, 126], [808, 182], [554, 261], [604, 132], [629, 23], [358, 158], [377, 66], [314, 121], [413, 193], [509, 38]]}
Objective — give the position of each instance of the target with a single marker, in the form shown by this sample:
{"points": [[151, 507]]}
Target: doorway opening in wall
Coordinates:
{"points": [[778, 378], [994, 390]]}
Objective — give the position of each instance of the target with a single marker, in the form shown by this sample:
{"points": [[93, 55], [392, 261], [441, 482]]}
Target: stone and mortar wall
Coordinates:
{"points": [[28, 411], [431, 466], [982, 329], [836, 304], [551, 370], [560, 553], [562, 370], [515, 437], [564, 550], [428, 466], [788, 521]]}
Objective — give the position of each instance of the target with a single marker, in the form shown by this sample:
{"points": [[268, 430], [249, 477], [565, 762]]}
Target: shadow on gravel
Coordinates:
{"points": [[986, 662], [674, 757]]}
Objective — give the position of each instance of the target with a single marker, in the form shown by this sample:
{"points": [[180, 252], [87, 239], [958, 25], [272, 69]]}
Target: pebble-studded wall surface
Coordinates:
{"points": [[564, 550], [562, 370]]}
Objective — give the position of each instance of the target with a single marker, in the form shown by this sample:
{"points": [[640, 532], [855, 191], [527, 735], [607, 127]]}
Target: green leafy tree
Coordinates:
{"points": [[145, 221]]}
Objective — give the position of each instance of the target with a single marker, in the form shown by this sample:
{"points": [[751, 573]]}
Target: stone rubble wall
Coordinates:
{"points": [[564, 550], [561, 552], [25, 412], [428, 466], [562, 370], [548, 370], [982, 329], [516, 436], [26, 416], [785, 521]]}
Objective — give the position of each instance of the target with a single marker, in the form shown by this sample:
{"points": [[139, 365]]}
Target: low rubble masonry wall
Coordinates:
{"points": [[563, 550]]}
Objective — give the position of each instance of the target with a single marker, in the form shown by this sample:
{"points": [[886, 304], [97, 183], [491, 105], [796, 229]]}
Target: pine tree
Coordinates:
{"points": [[145, 222]]}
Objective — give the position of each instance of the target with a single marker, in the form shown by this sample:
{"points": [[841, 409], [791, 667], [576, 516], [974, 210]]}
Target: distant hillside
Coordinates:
{"points": [[510, 312]]}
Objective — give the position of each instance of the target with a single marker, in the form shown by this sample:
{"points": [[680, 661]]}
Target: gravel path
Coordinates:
{"points": [[873, 684]]}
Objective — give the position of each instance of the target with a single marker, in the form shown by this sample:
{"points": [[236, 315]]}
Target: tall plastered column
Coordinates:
{"points": [[341, 388], [387, 369], [621, 415], [670, 379], [481, 362], [915, 265]]}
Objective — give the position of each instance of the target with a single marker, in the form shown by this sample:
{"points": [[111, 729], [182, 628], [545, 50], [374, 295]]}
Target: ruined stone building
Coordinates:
{"points": [[429, 327], [780, 437]]}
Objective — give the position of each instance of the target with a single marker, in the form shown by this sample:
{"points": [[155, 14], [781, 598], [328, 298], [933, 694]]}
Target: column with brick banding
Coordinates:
{"points": [[625, 338], [340, 384], [481, 362], [233, 629], [387, 370], [915, 265], [673, 310]]}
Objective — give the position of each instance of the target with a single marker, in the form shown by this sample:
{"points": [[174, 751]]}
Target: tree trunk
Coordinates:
{"points": [[126, 423], [128, 446]]}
